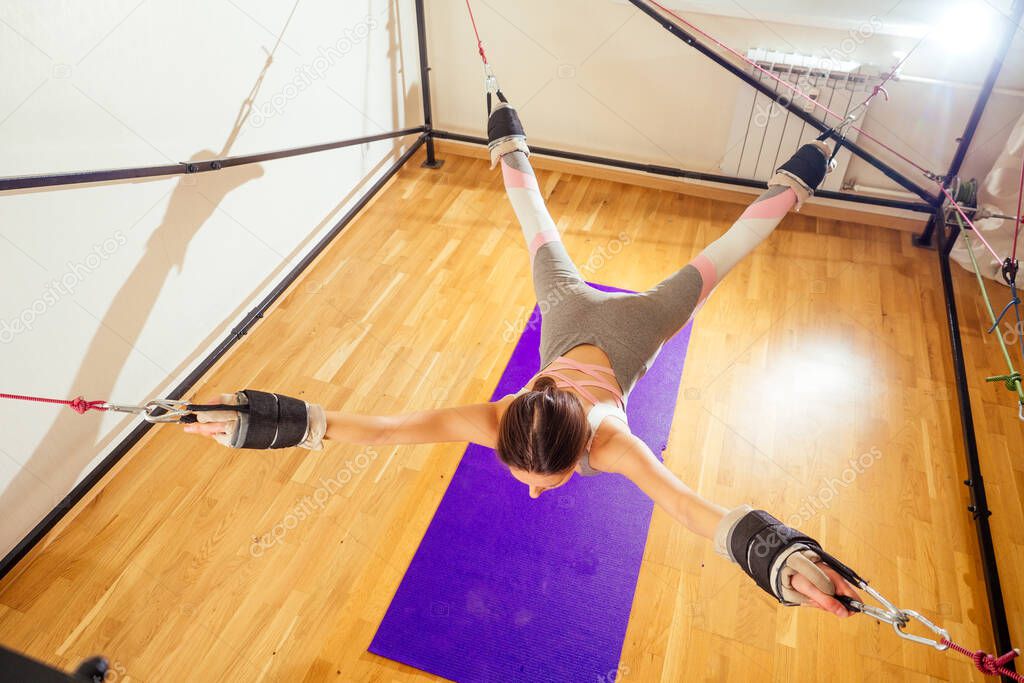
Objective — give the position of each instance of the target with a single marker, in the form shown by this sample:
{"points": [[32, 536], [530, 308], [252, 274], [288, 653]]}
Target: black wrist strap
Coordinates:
{"points": [[274, 421], [756, 542]]}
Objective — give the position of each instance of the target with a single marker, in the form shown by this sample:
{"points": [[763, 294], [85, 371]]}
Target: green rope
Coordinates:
{"points": [[1011, 381]]}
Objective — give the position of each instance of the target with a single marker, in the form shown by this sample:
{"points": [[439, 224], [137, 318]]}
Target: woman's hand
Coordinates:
{"points": [[821, 600], [219, 425], [210, 429]]}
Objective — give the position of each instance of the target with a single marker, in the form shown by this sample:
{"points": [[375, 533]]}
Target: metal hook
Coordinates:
{"points": [[900, 619], [173, 410], [122, 408], [938, 644], [490, 81]]}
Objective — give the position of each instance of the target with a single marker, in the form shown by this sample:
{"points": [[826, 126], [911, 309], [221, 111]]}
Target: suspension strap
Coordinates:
{"points": [[78, 404], [900, 620], [479, 43], [159, 410], [794, 89], [851, 116]]}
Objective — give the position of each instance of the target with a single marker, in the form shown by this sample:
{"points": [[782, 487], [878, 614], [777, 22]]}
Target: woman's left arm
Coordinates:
{"points": [[637, 463], [792, 563]]}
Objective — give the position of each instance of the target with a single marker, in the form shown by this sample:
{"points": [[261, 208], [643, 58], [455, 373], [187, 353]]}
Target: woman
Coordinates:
{"points": [[570, 418]]}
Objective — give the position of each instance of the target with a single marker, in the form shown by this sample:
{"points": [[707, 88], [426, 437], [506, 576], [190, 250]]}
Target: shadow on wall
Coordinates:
{"points": [[73, 441]]}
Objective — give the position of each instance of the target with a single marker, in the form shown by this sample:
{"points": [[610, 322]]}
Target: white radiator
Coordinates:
{"points": [[764, 134]]}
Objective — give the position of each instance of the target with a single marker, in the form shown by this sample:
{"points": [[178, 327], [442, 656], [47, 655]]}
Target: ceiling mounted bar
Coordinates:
{"points": [[692, 41], [671, 172], [182, 168]]}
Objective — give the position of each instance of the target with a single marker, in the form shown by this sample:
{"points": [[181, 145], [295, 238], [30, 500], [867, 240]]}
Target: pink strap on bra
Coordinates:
{"points": [[608, 384]]}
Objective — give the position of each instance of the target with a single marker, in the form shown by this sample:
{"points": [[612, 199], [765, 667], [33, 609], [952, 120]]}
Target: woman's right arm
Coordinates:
{"points": [[477, 423]]}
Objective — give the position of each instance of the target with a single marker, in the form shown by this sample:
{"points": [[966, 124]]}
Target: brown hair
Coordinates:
{"points": [[544, 430]]}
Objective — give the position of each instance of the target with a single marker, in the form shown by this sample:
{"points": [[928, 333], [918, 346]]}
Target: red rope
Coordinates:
{"points": [[987, 664], [78, 404], [479, 43]]}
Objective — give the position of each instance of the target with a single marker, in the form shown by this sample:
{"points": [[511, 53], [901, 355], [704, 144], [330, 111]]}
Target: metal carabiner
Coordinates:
{"points": [[490, 80], [895, 614], [174, 410], [122, 409], [939, 644], [875, 612]]}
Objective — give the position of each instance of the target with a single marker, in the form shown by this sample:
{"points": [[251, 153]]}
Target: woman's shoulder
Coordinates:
{"points": [[611, 444]]}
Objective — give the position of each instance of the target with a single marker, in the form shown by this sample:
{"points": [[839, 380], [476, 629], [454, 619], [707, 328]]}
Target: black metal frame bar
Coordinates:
{"points": [[252, 317], [965, 140], [671, 172], [978, 507], [428, 114], [788, 104], [186, 167], [975, 483], [932, 204]]}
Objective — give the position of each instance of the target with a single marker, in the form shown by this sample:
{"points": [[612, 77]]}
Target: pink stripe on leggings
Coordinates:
{"points": [[773, 207], [542, 238], [708, 276], [516, 178]]}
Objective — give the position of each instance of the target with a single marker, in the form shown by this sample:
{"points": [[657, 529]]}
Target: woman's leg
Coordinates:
{"points": [[551, 265], [681, 294]]}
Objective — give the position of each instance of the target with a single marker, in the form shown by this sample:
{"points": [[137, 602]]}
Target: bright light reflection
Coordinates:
{"points": [[966, 27]]}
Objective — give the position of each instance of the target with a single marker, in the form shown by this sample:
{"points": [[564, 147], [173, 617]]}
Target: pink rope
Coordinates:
{"points": [[987, 664], [479, 43], [878, 89], [1016, 227], [793, 88], [977, 233], [78, 404]]}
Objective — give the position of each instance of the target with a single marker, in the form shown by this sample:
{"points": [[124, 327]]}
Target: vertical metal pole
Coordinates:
{"points": [[979, 502], [428, 116], [964, 141]]}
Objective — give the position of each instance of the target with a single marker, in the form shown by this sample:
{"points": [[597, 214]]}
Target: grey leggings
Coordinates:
{"points": [[630, 328]]}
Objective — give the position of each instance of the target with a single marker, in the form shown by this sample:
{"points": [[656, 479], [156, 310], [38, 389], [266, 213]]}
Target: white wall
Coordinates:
{"points": [[599, 76], [100, 283]]}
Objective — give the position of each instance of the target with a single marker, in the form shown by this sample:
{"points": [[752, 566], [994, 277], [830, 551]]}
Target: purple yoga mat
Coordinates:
{"points": [[506, 588]]}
